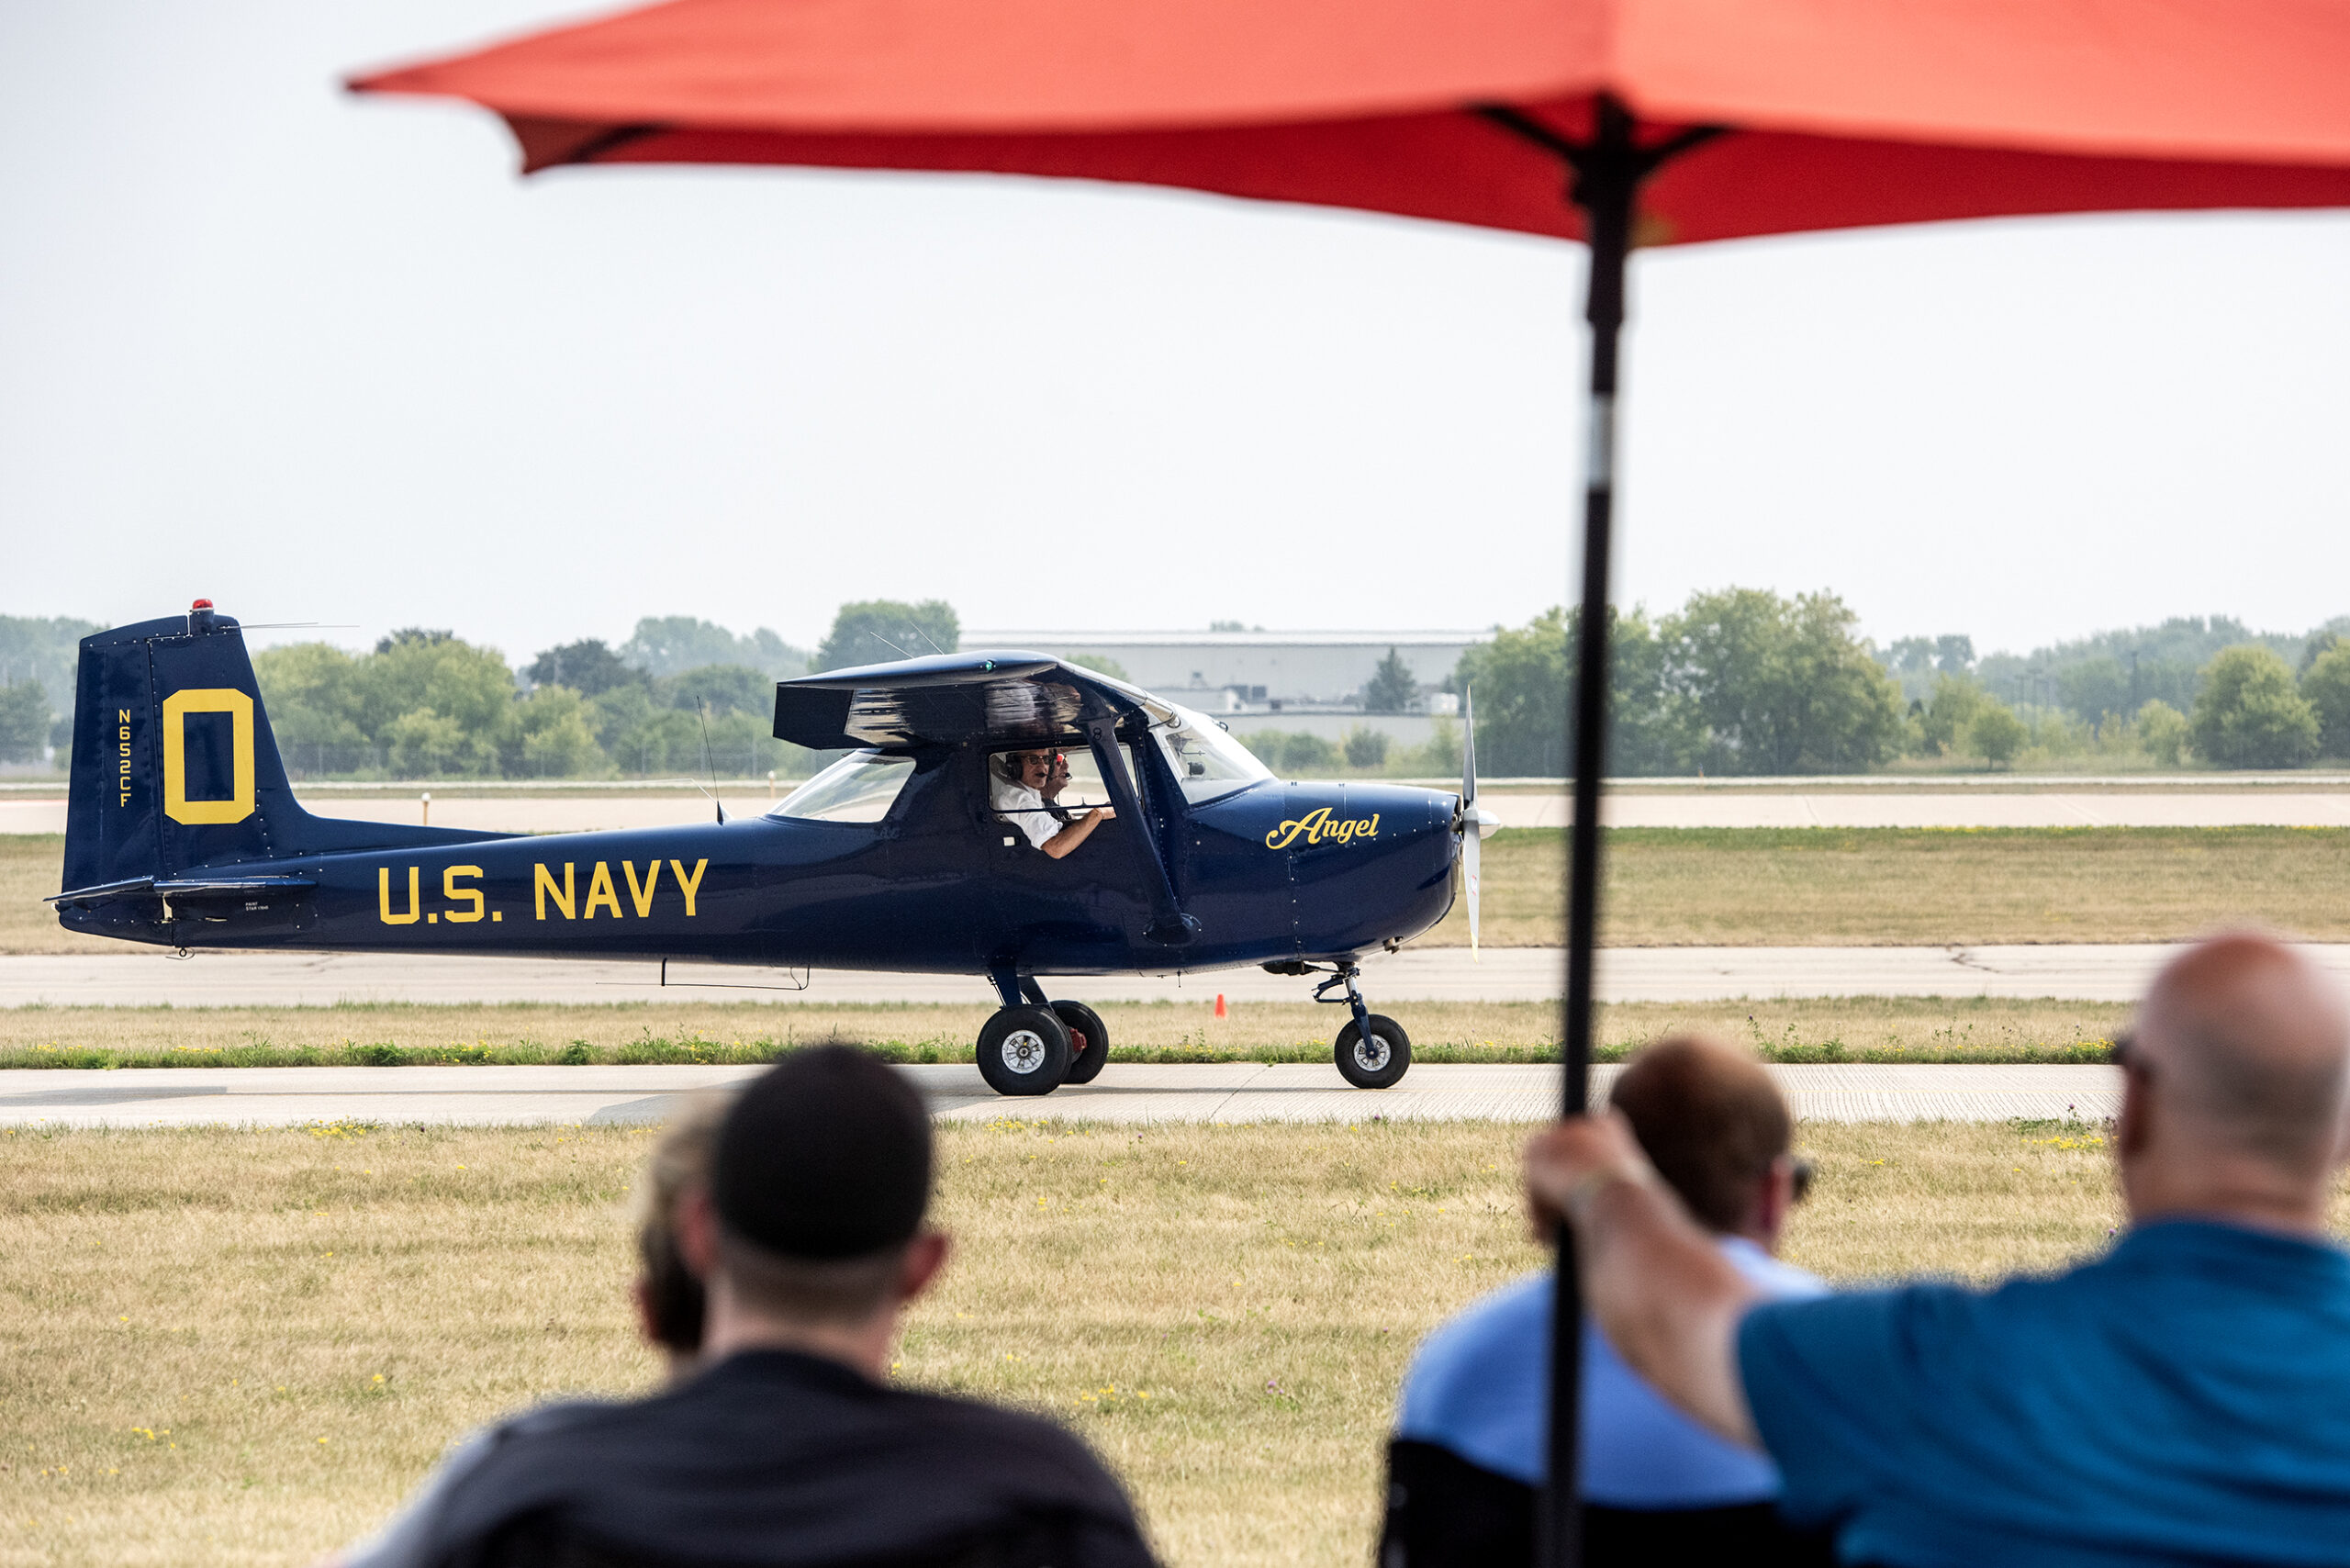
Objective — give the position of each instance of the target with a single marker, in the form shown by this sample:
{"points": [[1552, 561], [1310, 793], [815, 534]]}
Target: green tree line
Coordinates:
{"points": [[1744, 681], [2114, 672], [680, 697], [1737, 681]]}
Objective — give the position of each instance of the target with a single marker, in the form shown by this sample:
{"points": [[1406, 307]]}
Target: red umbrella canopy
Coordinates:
{"points": [[1841, 113]]}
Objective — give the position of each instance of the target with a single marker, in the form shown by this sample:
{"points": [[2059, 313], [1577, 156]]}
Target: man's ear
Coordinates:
{"points": [[696, 1226], [925, 1255], [1774, 1194]]}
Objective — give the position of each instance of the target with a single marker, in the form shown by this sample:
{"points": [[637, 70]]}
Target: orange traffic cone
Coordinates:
{"points": [[1219, 1004]]}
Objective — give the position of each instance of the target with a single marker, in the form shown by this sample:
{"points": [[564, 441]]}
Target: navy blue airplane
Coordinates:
{"points": [[1002, 815]]}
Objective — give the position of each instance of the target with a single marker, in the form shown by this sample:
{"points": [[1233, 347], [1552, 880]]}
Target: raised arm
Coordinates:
{"points": [[1078, 832], [1663, 1293]]}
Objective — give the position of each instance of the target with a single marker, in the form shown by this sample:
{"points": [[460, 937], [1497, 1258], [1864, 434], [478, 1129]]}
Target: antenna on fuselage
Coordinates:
{"points": [[927, 638], [889, 645], [701, 707]]}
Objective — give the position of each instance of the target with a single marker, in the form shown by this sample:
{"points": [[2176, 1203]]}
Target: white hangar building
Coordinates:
{"points": [[1256, 672]]}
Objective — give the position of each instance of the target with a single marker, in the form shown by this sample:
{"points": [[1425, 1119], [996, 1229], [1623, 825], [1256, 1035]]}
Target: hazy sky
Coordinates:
{"points": [[330, 359]]}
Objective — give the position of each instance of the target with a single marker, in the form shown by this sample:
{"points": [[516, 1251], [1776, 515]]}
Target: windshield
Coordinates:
{"points": [[857, 789], [1208, 763]]}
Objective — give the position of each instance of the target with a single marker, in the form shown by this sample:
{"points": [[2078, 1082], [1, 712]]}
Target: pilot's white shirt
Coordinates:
{"points": [[1024, 809]]}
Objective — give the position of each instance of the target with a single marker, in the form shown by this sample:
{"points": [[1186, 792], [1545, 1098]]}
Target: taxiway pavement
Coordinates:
{"points": [[1126, 1093], [2113, 972]]}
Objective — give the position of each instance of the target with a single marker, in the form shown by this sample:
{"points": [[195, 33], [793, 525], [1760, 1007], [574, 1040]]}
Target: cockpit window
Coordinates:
{"points": [[1207, 763], [859, 788]]}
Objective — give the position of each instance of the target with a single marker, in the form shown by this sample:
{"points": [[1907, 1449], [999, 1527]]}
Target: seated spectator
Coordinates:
{"points": [[1024, 788], [669, 1313], [670, 1302], [788, 1445], [2184, 1398], [1469, 1451]]}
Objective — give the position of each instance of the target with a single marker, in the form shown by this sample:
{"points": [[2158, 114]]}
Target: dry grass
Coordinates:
{"points": [[1834, 1029], [191, 1312], [29, 865], [1673, 887], [1832, 887]]}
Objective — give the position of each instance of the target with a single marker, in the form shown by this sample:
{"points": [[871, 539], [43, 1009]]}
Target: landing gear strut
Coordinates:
{"points": [[1372, 1050], [1031, 1046]]}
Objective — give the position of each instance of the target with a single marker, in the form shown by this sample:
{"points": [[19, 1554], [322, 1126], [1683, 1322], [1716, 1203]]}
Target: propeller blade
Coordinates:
{"points": [[1470, 840], [1468, 746], [1473, 821]]}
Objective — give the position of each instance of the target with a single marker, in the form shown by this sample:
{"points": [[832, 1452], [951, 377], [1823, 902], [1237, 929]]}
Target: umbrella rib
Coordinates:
{"points": [[1520, 124], [1673, 146], [611, 141], [1645, 161]]}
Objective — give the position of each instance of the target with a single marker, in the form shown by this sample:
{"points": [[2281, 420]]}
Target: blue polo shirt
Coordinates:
{"points": [[1480, 1387], [2184, 1399]]}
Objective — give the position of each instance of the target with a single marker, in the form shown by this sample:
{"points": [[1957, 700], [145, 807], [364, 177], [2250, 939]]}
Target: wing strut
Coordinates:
{"points": [[1169, 925]]}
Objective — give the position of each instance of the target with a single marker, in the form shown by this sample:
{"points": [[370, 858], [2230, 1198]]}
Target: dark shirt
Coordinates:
{"points": [[1444, 1512], [775, 1458], [2184, 1399], [1470, 1449]]}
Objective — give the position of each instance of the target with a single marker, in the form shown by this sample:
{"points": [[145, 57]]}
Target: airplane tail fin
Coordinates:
{"points": [[174, 767]]}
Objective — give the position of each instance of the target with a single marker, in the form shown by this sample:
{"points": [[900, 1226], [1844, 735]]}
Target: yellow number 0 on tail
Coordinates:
{"points": [[215, 699]]}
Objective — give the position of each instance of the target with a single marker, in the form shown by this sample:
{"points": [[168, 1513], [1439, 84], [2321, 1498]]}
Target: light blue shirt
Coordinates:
{"points": [[1479, 1384]]}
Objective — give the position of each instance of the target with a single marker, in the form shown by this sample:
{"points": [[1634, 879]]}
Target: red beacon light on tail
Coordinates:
{"points": [[199, 617]]}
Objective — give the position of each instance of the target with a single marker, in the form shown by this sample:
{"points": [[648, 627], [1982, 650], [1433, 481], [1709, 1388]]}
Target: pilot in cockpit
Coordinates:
{"points": [[1024, 788]]}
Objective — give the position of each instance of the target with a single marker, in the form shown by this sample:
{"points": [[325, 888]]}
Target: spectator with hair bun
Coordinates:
{"points": [[787, 1444], [669, 1308]]}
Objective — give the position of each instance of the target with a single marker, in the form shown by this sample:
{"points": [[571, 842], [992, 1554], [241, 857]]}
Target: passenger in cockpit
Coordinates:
{"points": [[1022, 787]]}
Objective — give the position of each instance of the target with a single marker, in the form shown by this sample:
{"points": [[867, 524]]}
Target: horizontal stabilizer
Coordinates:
{"points": [[181, 888]]}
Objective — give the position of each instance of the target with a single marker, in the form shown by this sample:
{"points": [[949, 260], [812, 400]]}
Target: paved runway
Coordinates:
{"points": [[1908, 808], [2116, 972], [1228, 1092], [1888, 807]]}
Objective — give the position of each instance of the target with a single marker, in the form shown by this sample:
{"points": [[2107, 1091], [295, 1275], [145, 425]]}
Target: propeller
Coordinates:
{"points": [[1473, 815]]}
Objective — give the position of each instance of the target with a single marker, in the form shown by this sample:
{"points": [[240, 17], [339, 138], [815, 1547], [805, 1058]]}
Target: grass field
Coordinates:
{"points": [[1673, 887], [243, 1347], [1983, 1029], [1829, 887]]}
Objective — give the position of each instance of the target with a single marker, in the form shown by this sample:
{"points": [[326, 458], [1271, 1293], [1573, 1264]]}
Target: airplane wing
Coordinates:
{"points": [[945, 699]]}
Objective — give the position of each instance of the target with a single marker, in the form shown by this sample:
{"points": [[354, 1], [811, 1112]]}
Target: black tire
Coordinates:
{"points": [[1024, 1050], [1378, 1064], [1088, 1041]]}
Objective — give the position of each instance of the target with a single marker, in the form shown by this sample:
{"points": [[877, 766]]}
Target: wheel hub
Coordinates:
{"points": [[1024, 1051], [1372, 1053]]}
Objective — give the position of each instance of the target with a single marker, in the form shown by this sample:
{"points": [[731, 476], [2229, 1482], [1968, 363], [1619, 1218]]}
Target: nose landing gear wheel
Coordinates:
{"points": [[1024, 1050], [1088, 1038], [1377, 1060]]}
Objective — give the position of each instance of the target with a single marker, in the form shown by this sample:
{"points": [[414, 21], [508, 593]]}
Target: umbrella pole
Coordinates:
{"points": [[1607, 174]]}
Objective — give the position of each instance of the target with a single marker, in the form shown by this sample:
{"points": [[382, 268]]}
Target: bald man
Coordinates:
{"points": [[2185, 1398]]}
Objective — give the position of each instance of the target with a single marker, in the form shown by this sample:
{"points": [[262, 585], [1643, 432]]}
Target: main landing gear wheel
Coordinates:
{"points": [[1024, 1050], [1376, 1059], [1088, 1039]]}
